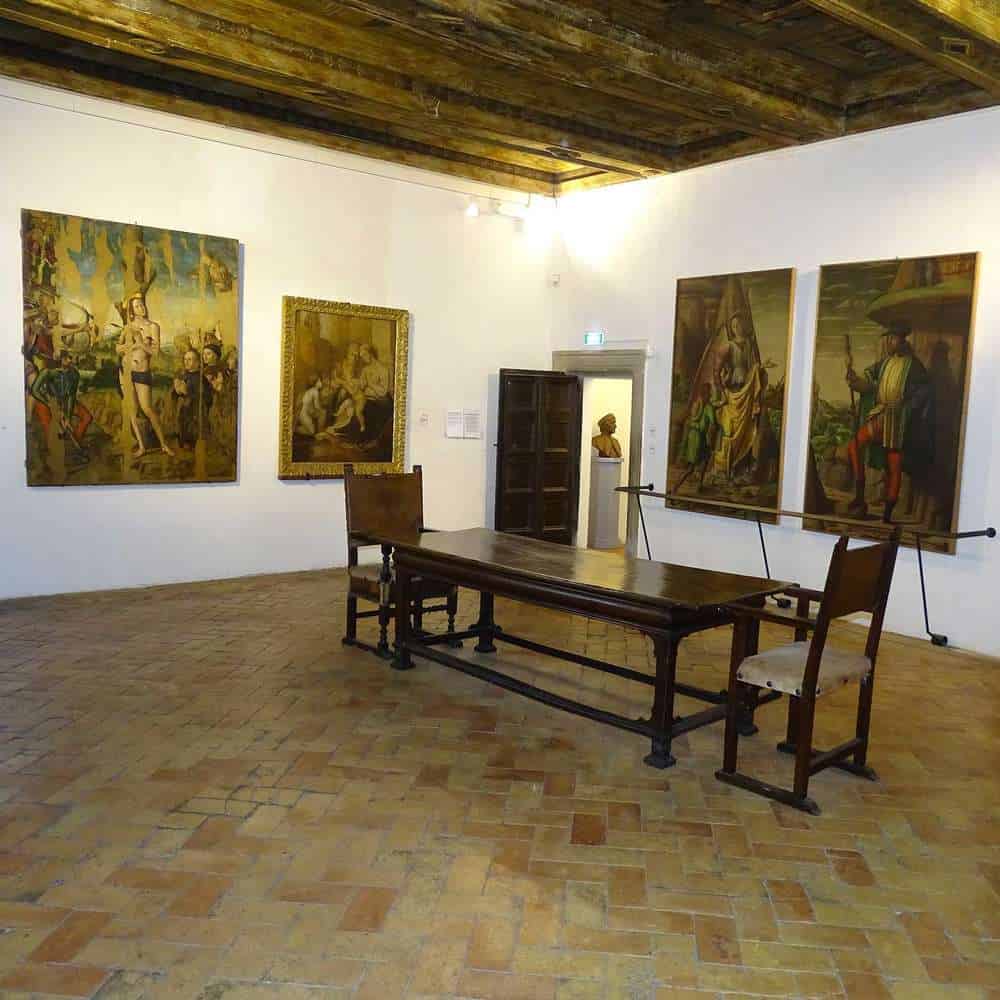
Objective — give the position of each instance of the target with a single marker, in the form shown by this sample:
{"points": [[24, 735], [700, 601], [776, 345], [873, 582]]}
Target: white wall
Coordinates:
{"points": [[923, 189], [310, 223], [479, 291], [602, 394]]}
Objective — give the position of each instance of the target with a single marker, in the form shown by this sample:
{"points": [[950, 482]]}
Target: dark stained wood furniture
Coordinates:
{"points": [[665, 602], [379, 506], [858, 580], [538, 454]]}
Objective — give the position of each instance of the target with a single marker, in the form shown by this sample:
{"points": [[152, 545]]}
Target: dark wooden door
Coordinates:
{"points": [[538, 454]]}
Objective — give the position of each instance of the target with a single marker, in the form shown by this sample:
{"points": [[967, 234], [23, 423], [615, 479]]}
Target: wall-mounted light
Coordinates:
{"points": [[472, 210]]}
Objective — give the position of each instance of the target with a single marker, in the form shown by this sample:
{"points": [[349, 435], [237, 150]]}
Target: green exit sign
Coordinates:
{"points": [[593, 338]]}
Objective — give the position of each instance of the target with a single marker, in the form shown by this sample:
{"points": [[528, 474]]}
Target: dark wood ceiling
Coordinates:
{"points": [[537, 95]]}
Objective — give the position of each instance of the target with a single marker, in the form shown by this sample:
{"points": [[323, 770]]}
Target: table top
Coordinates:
{"points": [[644, 580]]}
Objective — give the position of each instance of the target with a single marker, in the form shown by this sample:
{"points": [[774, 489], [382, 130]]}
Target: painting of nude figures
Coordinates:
{"points": [[343, 388], [130, 353], [727, 400], [889, 394]]}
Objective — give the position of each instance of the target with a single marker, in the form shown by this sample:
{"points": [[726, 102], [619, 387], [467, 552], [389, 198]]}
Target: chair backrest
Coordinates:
{"points": [[383, 505], [858, 580]]}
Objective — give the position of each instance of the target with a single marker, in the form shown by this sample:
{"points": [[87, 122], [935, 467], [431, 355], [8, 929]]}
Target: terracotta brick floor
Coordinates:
{"points": [[203, 795]]}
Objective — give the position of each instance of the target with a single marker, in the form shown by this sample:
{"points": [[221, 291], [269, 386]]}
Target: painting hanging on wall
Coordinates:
{"points": [[889, 392], [343, 388], [727, 400], [130, 352]]}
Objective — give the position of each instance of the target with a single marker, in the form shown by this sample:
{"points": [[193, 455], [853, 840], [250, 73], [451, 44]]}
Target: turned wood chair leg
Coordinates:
{"points": [[803, 746], [384, 613], [452, 606], [352, 619], [418, 615]]}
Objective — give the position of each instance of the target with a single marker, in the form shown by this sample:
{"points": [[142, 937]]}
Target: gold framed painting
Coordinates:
{"points": [[343, 388], [890, 391], [732, 334], [131, 352]]}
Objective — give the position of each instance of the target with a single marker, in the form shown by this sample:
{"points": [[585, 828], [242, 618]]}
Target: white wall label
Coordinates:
{"points": [[472, 423], [463, 423], [453, 424]]}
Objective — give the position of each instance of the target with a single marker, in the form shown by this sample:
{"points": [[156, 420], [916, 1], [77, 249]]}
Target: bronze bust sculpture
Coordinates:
{"points": [[606, 445]]}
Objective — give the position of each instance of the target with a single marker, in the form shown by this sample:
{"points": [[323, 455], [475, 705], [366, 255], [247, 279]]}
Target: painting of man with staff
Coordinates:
{"points": [[890, 384]]}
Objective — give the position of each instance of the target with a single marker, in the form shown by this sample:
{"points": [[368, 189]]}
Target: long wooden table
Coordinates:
{"points": [[664, 601]]}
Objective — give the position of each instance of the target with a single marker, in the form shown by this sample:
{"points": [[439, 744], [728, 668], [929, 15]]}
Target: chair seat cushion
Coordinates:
{"points": [[364, 582], [783, 668]]}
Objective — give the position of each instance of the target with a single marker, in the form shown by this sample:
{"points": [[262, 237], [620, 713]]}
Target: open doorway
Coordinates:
{"points": [[607, 415], [604, 373]]}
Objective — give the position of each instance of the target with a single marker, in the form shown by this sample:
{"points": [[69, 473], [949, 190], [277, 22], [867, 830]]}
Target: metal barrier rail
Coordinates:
{"points": [[753, 513]]}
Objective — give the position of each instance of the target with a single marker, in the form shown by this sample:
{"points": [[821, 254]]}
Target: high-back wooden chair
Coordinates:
{"points": [[379, 507], [858, 580]]}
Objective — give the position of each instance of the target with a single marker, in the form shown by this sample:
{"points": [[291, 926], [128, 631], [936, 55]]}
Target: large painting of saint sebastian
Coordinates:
{"points": [[131, 353]]}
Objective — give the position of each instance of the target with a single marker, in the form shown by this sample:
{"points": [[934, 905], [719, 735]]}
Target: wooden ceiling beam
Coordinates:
{"points": [[501, 175], [735, 55], [235, 57], [897, 82], [952, 98], [550, 39], [980, 18], [456, 78], [536, 69], [701, 154], [914, 31]]}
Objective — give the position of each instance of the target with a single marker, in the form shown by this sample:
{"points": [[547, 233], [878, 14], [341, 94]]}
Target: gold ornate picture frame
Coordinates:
{"points": [[343, 388]]}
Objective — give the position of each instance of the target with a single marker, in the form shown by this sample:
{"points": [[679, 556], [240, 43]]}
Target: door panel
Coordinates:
{"points": [[538, 454]]}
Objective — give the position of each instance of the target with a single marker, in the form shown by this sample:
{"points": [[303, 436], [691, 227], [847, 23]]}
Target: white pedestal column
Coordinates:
{"points": [[605, 475]]}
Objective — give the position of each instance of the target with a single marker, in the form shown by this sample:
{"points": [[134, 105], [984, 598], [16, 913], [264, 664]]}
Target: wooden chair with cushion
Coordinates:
{"points": [[858, 580], [387, 505]]}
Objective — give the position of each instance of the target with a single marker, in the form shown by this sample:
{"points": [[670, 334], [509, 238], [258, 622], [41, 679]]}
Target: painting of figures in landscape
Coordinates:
{"points": [[889, 392], [130, 353], [727, 401], [343, 388]]}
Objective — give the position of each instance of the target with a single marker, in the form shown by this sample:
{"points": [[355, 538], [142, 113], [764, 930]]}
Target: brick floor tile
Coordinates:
{"points": [[66, 980], [261, 813], [63, 944], [588, 829]]}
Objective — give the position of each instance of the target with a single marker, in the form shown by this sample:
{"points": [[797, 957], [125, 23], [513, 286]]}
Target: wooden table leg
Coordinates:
{"points": [[485, 626], [401, 660], [662, 717]]}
